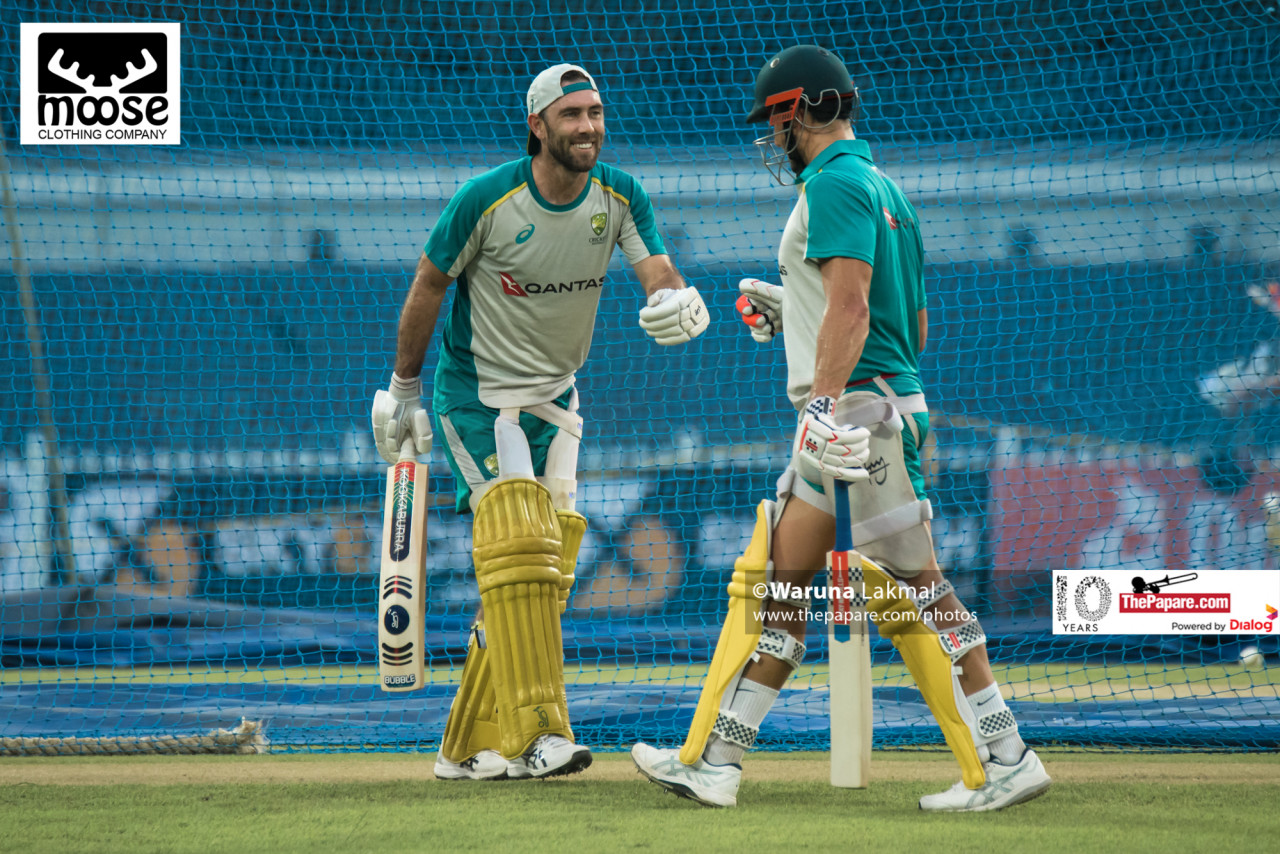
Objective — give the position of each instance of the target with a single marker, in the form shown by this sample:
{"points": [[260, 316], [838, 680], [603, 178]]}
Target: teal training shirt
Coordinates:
{"points": [[849, 209]]}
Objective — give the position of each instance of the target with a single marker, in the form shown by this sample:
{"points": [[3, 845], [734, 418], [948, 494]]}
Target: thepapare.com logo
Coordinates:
{"points": [[100, 84]]}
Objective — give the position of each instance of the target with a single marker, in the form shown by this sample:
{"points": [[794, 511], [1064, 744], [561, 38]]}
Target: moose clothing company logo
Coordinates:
{"points": [[1183, 603], [104, 84]]}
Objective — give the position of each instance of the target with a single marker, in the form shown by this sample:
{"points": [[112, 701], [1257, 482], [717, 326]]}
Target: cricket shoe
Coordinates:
{"points": [[711, 785], [1006, 785], [550, 756], [485, 765]]}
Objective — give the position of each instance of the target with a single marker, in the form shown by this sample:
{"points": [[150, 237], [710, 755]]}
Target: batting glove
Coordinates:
{"points": [[674, 316], [398, 416], [824, 448], [761, 307]]}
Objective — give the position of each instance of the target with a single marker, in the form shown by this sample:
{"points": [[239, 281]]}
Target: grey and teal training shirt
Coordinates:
{"points": [[529, 276]]}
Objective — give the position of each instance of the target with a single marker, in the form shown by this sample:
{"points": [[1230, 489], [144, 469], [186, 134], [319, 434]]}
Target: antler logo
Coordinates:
{"points": [[71, 74], [100, 82]]}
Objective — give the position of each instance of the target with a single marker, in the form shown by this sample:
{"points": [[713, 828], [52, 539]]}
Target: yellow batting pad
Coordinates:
{"points": [[517, 550], [473, 717], [738, 639], [573, 527], [898, 619]]}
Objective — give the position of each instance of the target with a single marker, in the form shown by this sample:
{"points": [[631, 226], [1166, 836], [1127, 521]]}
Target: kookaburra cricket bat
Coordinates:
{"points": [[850, 656], [402, 581]]}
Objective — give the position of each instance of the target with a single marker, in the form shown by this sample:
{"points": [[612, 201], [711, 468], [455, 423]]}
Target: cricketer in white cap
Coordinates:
{"points": [[529, 245], [549, 87]]}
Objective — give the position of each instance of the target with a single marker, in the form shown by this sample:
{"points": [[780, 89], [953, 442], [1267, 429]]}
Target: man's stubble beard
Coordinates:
{"points": [[561, 150]]}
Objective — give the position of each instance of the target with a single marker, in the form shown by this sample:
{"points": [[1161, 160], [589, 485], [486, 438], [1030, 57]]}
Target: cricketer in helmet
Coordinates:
{"points": [[806, 85], [852, 312]]}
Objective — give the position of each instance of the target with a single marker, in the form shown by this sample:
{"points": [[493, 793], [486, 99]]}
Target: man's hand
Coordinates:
{"points": [[822, 447], [674, 316], [761, 307], [398, 415]]}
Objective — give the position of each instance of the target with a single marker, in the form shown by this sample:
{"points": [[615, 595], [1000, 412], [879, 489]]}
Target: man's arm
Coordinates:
{"points": [[922, 320], [823, 446], [845, 324], [418, 317], [656, 273], [398, 414]]}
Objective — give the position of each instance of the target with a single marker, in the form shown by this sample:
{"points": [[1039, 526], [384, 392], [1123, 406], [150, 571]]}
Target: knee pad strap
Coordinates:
{"points": [[941, 589], [962, 638], [734, 731], [996, 725], [781, 645]]}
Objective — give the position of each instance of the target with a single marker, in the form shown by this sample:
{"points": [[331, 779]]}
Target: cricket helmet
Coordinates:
{"points": [[803, 71]]}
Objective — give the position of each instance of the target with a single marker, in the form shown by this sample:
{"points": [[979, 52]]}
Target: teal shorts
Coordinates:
{"points": [[472, 450]]}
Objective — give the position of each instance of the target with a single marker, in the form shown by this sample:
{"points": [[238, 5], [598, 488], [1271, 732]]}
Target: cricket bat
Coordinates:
{"points": [[402, 579], [850, 657]]}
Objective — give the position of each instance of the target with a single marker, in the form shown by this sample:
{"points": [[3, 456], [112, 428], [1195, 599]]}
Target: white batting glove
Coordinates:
{"points": [[398, 416], [674, 316], [824, 448], [761, 307]]}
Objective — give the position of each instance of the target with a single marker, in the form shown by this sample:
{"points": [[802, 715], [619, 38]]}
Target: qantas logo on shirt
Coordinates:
{"points": [[891, 219], [511, 287]]}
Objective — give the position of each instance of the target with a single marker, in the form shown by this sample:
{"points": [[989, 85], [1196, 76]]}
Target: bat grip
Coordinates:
{"points": [[408, 451], [844, 530]]}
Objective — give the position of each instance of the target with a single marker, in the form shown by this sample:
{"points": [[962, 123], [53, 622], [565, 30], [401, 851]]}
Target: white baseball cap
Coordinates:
{"points": [[546, 90]]}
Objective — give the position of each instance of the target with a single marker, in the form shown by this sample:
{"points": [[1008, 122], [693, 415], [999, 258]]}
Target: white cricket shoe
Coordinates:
{"points": [[550, 756], [712, 785], [1006, 785], [485, 765]]}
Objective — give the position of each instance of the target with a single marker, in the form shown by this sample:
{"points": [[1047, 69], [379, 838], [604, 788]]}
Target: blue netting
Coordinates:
{"points": [[1096, 186]]}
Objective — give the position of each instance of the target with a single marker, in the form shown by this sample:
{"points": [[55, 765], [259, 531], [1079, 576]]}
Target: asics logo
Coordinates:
{"points": [[676, 768], [525, 233]]}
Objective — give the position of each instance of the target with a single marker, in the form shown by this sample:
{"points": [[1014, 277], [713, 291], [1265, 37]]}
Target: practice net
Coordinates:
{"points": [[197, 541]]}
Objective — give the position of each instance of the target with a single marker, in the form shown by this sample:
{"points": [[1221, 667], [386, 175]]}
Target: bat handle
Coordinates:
{"points": [[408, 450]]}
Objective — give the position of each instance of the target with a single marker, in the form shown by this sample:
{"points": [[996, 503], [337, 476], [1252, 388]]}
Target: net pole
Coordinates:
{"points": [[39, 374]]}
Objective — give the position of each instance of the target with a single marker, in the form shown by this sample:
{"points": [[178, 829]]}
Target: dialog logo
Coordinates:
{"points": [[100, 84]]}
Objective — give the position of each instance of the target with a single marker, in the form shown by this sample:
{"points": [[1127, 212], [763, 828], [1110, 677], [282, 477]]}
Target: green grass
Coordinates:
{"points": [[617, 813]]}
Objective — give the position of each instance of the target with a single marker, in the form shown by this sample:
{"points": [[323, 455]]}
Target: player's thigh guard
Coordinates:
{"points": [[901, 614], [742, 638], [517, 551], [473, 718], [888, 517]]}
